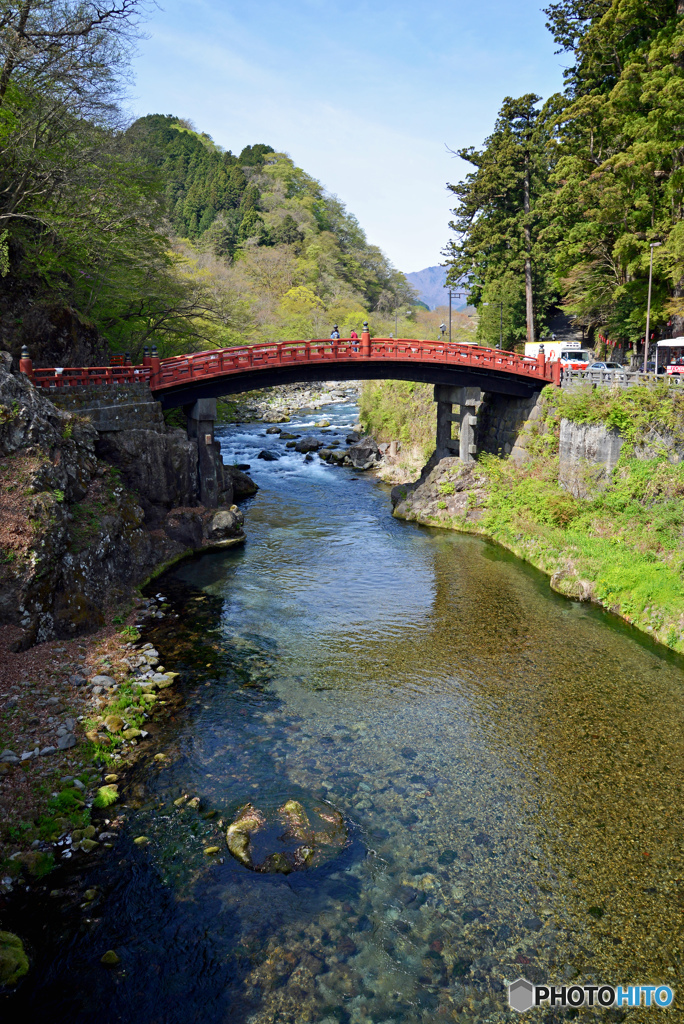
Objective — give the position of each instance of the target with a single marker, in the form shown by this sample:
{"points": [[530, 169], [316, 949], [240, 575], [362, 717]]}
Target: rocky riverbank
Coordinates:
{"points": [[276, 405], [86, 518]]}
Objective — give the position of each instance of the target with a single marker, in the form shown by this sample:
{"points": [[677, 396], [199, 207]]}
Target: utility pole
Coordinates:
{"points": [[654, 245], [450, 316], [500, 323]]}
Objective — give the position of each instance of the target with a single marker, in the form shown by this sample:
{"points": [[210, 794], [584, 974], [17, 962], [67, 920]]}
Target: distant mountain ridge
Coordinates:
{"points": [[430, 285]]}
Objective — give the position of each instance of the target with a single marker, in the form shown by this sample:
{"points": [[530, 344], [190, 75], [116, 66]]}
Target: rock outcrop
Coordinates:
{"points": [[86, 517]]}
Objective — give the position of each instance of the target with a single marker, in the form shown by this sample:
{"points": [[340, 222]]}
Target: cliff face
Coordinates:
{"points": [[85, 517]]}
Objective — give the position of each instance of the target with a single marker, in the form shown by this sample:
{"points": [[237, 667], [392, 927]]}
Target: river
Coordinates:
{"points": [[508, 764]]}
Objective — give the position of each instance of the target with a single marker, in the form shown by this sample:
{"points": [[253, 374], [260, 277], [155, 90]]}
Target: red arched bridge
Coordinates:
{"points": [[183, 380]]}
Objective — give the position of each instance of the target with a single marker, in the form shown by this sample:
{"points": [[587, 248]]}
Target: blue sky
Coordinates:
{"points": [[364, 96]]}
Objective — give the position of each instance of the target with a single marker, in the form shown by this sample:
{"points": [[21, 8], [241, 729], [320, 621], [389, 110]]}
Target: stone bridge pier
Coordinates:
{"points": [[500, 424], [201, 416], [468, 401]]}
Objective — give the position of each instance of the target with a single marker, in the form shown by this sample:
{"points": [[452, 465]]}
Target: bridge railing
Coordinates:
{"points": [[180, 369], [82, 376], [620, 379], [177, 370]]}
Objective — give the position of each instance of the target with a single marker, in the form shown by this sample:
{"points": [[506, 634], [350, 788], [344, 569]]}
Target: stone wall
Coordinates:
{"points": [[588, 454], [116, 407], [504, 424]]}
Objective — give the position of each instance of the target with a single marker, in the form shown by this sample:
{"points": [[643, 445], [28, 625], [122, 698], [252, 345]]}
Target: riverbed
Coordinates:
{"points": [[507, 763]]}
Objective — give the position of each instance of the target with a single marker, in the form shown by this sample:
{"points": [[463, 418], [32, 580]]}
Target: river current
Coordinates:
{"points": [[508, 765]]}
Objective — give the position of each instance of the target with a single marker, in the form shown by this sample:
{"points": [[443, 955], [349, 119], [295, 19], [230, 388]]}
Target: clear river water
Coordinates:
{"points": [[508, 765]]}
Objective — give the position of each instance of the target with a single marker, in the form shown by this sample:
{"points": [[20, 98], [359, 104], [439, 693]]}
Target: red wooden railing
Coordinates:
{"points": [[164, 374]]}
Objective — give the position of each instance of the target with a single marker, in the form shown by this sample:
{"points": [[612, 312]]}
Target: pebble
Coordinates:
{"points": [[110, 959], [48, 750], [65, 742]]}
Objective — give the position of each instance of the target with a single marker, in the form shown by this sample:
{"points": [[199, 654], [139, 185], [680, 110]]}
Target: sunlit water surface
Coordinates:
{"points": [[508, 763]]}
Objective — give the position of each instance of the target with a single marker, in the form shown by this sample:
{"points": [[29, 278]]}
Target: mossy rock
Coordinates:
{"points": [[310, 838], [106, 795], [14, 963]]}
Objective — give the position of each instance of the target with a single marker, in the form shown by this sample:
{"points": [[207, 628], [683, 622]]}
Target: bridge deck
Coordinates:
{"points": [[183, 378]]}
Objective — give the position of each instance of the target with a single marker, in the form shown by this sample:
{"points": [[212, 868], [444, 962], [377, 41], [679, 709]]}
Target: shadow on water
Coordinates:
{"points": [[187, 932]]}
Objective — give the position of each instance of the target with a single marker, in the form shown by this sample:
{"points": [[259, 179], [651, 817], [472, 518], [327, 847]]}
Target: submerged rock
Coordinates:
{"points": [[238, 835], [14, 963], [267, 456], [311, 842]]}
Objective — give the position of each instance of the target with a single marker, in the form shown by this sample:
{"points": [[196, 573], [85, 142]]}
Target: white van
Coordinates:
{"points": [[570, 353]]}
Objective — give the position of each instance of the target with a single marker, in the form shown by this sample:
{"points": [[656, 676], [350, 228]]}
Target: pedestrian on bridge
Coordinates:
{"points": [[353, 336], [335, 333]]}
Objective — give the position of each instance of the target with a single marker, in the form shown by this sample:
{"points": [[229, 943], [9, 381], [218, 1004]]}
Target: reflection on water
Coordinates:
{"points": [[508, 766]]}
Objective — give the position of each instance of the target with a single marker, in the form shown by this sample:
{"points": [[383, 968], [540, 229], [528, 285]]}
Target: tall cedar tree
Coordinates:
{"points": [[497, 217]]}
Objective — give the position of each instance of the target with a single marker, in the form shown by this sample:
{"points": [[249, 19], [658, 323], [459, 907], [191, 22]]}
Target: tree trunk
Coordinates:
{"points": [[528, 254]]}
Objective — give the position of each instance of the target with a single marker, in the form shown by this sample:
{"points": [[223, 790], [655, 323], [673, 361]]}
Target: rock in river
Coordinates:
{"points": [[267, 456], [364, 454], [307, 840], [13, 960], [308, 444]]}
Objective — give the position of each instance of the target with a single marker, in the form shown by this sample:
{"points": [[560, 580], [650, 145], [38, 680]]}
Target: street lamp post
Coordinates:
{"points": [[452, 292], [654, 245]]}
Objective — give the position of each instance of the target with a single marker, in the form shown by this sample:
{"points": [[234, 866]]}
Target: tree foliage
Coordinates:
{"points": [[151, 233], [610, 175], [499, 219]]}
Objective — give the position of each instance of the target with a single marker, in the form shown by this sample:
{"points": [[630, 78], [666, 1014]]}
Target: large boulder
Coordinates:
{"points": [[363, 454], [243, 485], [308, 444], [160, 467]]}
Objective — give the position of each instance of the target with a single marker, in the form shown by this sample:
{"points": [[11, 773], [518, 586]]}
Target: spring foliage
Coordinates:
{"points": [[150, 232]]}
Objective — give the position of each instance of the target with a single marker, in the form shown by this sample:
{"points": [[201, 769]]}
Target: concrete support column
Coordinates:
{"points": [[468, 401], [201, 418]]}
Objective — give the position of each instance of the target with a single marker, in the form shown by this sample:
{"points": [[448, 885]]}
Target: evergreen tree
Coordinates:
{"points": [[498, 217]]}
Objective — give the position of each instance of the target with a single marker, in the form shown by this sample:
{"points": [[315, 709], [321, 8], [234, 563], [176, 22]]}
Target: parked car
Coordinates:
{"points": [[605, 366]]}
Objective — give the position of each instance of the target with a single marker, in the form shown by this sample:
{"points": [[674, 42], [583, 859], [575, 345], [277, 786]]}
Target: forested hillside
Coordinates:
{"points": [[567, 196], [116, 236]]}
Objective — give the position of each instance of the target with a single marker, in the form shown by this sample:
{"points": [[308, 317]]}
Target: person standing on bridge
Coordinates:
{"points": [[353, 336], [335, 333]]}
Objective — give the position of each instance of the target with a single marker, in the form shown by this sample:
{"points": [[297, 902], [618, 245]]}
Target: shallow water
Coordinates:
{"points": [[508, 765]]}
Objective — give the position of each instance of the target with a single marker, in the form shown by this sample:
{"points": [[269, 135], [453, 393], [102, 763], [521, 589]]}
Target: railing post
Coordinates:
{"points": [[541, 361], [556, 372], [365, 341], [26, 363], [155, 368], [146, 356]]}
